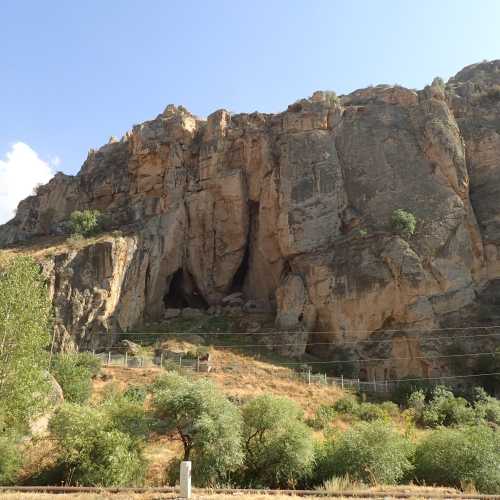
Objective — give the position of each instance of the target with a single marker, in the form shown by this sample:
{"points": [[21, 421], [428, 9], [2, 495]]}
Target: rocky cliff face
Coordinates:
{"points": [[293, 210]]}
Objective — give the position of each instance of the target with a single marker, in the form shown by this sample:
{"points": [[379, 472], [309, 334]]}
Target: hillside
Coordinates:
{"points": [[295, 212]]}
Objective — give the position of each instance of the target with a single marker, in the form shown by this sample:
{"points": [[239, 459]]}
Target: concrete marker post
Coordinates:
{"points": [[185, 479]]}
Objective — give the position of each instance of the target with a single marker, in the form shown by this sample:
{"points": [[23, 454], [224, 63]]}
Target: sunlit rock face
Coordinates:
{"points": [[293, 210]]}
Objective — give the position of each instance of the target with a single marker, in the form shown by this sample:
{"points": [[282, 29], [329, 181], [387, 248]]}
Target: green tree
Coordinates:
{"points": [[10, 457], [25, 313], [403, 223], [92, 451], [454, 457], [369, 452], [74, 376], [205, 421], [279, 449], [86, 223]]}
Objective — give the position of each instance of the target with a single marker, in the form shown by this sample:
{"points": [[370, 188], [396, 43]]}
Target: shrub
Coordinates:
{"points": [[446, 409], [86, 223], [368, 452], [322, 417], [89, 361], [346, 405], [370, 412], [389, 408], [206, 422], [453, 457], [74, 377], [135, 393], [486, 407], [10, 458], [403, 223], [25, 312], [128, 416], [92, 452], [278, 445]]}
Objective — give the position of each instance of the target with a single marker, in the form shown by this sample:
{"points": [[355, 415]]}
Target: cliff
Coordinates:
{"points": [[293, 210]]}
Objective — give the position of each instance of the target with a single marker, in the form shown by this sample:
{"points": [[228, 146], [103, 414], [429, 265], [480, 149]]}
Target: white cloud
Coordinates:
{"points": [[20, 171]]}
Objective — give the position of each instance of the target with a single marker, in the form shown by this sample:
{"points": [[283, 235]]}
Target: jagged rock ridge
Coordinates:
{"points": [[293, 209]]}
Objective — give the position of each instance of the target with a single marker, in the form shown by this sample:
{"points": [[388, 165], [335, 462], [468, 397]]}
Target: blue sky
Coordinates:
{"points": [[75, 73]]}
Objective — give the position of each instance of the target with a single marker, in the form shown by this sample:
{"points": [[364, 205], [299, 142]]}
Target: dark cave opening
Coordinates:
{"points": [[242, 271], [183, 292]]}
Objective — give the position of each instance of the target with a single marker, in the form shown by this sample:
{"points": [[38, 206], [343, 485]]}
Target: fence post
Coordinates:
{"points": [[374, 385], [309, 376], [109, 358], [185, 479], [126, 359], [386, 386], [161, 359], [342, 381], [197, 363], [180, 362]]}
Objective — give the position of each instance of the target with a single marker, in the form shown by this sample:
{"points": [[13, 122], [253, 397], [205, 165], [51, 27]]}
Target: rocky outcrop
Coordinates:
{"points": [[293, 210]]}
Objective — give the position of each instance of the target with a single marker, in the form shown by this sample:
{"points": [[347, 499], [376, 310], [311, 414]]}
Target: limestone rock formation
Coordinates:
{"points": [[293, 211]]}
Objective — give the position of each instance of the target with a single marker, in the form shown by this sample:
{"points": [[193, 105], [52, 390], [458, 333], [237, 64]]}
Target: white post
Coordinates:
{"points": [[109, 358], [309, 377], [126, 359], [342, 380], [185, 480], [161, 359]]}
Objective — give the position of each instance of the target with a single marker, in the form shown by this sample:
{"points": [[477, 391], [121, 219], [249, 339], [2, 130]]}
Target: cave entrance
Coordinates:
{"points": [[182, 292], [240, 276]]}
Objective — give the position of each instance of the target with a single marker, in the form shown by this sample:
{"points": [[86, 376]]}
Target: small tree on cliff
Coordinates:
{"points": [[25, 312], [207, 424], [403, 223], [86, 223]]}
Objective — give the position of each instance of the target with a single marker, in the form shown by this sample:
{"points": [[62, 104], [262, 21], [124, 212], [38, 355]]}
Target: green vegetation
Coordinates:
{"points": [[74, 372], [206, 422], [403, 223], [92, 451], [440, 407], [10, 457], [86, 223], [278, 445], [457, 457], [25, 314], [368, 452]]}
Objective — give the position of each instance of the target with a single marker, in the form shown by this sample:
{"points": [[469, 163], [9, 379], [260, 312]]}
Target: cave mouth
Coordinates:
{"points": [[240, 276], [182, 292]]}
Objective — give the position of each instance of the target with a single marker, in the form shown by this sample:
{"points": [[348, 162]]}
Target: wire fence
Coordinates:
{"points": [[184, 364]]}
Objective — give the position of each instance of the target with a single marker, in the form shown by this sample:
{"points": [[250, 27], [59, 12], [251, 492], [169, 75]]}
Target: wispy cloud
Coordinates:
{"points": [[20, 171]]}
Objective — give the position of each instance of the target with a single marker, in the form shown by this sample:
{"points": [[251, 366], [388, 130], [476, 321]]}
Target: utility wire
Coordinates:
{"points": [[298, 344], [424, 330]]}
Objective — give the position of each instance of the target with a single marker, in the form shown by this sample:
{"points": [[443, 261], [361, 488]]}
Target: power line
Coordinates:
{"points": [[400, 330], [447, 377], [297, 344]]}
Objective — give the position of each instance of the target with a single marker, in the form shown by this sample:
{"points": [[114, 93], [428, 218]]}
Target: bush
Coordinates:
{"points": [[389, 408], [403, 223], [127, 415], [92, 452], [74, 376], [86, 223], [370, 412], [323, 416], [279, 449], [10, 458], [368, 452], [486, 407], [346, 405], [89, 361], [454, 457], [206, 422], [446, 409], [135, 393]]}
